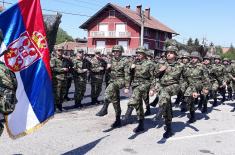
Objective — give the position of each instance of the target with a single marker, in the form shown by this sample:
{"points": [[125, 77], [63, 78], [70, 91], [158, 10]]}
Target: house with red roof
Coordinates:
{"points": [[116, 25]]}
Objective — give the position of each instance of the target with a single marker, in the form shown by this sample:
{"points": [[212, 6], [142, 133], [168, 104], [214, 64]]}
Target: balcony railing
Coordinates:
{"points": [[110, 34]]}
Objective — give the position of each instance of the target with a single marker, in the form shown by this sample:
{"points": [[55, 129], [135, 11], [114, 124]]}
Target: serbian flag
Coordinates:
{"points": [[25, 37]]}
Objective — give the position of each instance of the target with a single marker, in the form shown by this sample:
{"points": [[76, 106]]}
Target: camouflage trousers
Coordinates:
{"points": [[146, 95], [214, 88], [165, 100], [112, 94], [96, 86], [68, 85], [136, 99], [7, 103], [59, 87], [80, 89]]}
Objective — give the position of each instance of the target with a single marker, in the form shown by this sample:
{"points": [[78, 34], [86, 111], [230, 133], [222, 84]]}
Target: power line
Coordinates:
{"points": [[75, 4], [56, 11], [92, 3]]}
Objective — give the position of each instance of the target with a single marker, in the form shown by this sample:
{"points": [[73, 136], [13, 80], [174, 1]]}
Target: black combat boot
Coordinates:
{"points": [[204, 109], [192, 117], [223, 99], [117, 122], [128, 113], [215, 102], [140, 126], [67, 98], [168, 132], [148, 111], [154, 103], [230, 95], [78, 104], [94, 101], [183, 107], [104, 110], [59, 108]]}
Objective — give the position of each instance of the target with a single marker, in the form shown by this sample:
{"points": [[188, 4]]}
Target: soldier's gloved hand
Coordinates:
{"points": [[195, 95], [133, 66], [65, 69], [101, 68], [151, 92], [126, 91], [163, 68], [109, 66]]}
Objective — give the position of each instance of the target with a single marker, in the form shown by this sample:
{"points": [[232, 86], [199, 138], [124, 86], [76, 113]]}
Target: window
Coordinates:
{"points": [[120, 27], [146, 32], [146, 45], [111, 13], [100, 44], [103, 27], [124, 44], [158, 40]]}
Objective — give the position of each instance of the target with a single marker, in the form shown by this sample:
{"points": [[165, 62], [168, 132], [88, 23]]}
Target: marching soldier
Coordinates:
{"points": [[119, 78]]}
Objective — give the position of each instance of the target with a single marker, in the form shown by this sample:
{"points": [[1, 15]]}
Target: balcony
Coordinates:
{"points": [[109, 34]]}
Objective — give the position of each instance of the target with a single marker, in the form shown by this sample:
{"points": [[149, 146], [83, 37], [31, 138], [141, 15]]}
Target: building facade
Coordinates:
{"points": [[116, 25]]}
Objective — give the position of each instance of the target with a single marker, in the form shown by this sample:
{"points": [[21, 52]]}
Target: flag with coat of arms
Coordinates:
{"points": [[28, 57]]}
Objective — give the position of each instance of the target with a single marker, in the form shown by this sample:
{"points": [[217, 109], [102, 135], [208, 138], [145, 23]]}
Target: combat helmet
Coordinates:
{"points": [[184, 54], [141, 50], [216, 56], [196, 54], [118, 48], [172, 49]]}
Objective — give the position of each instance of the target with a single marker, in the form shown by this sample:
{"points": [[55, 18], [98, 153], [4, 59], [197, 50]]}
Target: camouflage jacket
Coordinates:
{"points": [[171, 75], [228, 70], [143, 73], [218, 72], [232, 72], [78, 67], [56, 66], [7, 79], [194, 75], [95, 68]]}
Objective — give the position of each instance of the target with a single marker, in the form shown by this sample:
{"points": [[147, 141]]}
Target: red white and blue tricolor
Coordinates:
{"points": [[25, 37]]}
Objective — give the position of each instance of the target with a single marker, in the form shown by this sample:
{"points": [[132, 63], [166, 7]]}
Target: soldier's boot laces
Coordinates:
{"points": [[192, 117], [104, 110], [154, 103], [168, 133], [128, 113], [148, 111], [140, 126], [117, 122]]}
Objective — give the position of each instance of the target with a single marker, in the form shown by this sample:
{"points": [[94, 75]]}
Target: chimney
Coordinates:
{"points": [[128, 6], [147, 13], [139, 9]]}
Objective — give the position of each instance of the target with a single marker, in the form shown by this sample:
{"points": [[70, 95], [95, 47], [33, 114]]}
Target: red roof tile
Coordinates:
{"points": [[70, 46]]}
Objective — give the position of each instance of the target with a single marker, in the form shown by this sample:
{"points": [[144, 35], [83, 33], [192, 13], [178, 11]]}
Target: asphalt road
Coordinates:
{"points": [[81, 132]]}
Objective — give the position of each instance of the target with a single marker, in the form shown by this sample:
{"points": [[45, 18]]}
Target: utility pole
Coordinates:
{"points": [[142, 29]]}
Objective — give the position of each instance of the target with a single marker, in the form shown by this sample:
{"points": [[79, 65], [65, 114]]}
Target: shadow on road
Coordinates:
{"points": [[85, 148]]}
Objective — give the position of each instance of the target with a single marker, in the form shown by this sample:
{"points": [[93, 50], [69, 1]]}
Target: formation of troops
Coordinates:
{"points": [[192, 78]]}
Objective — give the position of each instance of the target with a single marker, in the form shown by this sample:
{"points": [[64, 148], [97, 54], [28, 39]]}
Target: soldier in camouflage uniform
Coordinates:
{"points": [[59, 78], [80, 77], [8, 85], [97, 72], [232, 76], [228, 69], [143, 77], [170, 72], [107, 73], [119, 78], [218, 71], [197, 83]]}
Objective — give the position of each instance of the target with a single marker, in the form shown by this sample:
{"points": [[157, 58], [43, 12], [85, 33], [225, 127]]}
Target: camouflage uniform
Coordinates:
{"points": [[80, 79], [68, 64], [232, 75], [119, 78], [8, 86], [59, 79], [97, 72], [197, 81], [228, 69]]}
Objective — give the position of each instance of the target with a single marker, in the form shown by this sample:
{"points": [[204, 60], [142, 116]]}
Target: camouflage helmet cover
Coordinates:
{"points": [[217, 57], [184, 54], [226, 59], [118, 48], [172, 49], [141, 50]]}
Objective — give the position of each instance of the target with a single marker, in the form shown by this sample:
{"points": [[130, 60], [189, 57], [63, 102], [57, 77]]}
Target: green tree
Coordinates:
{"points": [[218, 50], [190, 42], [62, 36], [196, 42], [230, 54]]}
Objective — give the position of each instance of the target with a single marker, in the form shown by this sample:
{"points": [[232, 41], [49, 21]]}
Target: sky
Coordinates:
{"points": [[210, 19]]}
